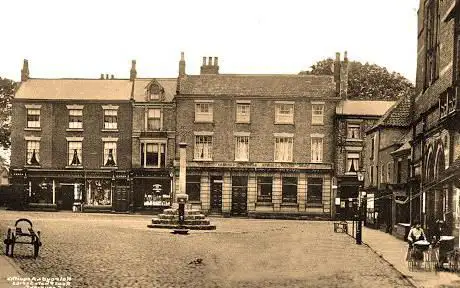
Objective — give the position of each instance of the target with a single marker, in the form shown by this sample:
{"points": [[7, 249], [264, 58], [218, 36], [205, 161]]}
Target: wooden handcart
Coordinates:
{"points": [[19, 234]]}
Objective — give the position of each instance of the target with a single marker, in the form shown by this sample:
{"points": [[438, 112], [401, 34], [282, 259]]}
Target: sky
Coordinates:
{"points": [[82, 39]]}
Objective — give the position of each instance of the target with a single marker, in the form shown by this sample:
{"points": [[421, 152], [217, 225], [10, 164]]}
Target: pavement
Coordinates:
{"points": [[393, 250], [9, 272]]}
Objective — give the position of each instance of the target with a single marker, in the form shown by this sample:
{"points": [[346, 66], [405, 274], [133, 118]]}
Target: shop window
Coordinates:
{"points": [[193, 187], [264, 189], [315, 190], [289, 190]]}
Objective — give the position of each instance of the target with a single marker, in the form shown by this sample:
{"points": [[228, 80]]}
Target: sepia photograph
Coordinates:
{"points": [[242, 144]]}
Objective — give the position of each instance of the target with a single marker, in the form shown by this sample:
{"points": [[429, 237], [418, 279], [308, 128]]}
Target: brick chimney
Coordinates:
{"points": [[209, 67], [25, 71], [133, 72], [182, 64], [337, 73], [344, 77]]}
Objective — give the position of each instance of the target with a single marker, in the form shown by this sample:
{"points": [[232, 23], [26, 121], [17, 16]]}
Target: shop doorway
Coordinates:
{"points": [[216, 194]]}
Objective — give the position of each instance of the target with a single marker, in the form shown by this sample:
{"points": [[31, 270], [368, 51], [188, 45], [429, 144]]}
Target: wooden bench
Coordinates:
{"points": [[341, 227]]}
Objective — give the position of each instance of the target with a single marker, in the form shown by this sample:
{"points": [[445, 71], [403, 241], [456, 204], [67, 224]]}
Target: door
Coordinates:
{"points": [[216, 195], [121, 198], [66, 197], [239, 195]]}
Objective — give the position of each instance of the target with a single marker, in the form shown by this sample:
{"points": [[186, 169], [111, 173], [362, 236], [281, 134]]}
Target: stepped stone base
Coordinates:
{"points": [[194, 220]]}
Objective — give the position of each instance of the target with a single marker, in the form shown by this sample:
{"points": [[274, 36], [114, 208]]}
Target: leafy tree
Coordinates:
{"points": [[367, 81], [7, 88]]}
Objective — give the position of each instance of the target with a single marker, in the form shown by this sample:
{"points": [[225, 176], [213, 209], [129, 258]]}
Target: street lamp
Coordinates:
{"points": [[359, 227]]}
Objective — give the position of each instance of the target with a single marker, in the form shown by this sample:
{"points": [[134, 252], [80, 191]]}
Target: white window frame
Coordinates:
{"points": [[147, 118], [352, 155], [76, 124], [280, 139], [160, 144], [70, 154], [317, 119], [207, 140], [353, 126], [243, 115], [32, 143], [109, 143], [281, 117], [110, 111], [33, 112], [245, 137], [207, 116], [314, 159]]}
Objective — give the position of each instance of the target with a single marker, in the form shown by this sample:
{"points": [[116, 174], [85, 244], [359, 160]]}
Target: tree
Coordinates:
{"points": [[7, 88], [367, 81]]}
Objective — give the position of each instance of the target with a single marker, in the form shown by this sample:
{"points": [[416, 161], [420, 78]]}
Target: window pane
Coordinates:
{"points": [[264, 189], [74, 153], [110, 154], [33, 153], [193, 187], [315, 190], [289, 189]]}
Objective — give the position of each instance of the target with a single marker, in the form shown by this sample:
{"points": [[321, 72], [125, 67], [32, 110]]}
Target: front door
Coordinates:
{"points": [[239, 195], [66, 197], [216, 195], [121, 198], [239, 201]]}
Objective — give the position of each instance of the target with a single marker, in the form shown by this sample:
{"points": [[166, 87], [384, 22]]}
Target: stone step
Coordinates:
{"points": [[192, 217], [176, 221], [175, 226], [173, 211]]}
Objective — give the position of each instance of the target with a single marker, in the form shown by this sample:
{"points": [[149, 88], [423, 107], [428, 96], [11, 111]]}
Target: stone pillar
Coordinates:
{"points": [[277, 192], [301, 191], [205, 193], [54, 191], [227, 194], [182, 167], [252, 192]]}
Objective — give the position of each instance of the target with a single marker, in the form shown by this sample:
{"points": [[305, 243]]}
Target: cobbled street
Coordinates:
{"points": [[106, 250]]}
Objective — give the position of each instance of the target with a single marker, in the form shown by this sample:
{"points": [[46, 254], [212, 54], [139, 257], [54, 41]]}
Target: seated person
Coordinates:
{"points": [[416, 233]]}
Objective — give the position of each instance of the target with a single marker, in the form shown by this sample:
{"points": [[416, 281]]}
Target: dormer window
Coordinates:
{"points": [[154, 93]]}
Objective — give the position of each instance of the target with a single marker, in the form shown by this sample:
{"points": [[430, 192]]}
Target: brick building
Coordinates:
{"points": [[436, 134], [153, 140], [352, 120], [382, 141], [259, 145], [71, 143]]}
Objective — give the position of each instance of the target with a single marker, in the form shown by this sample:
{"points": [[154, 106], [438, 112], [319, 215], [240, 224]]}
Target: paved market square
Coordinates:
{"points": [[107, 250]]}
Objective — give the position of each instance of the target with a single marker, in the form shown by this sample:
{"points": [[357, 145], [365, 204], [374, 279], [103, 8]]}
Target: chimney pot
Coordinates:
{"points": [[216, 63], [106, 76], [210, 61], [102, 75], [133, 71], [112, 77], [182, 57], [204, 61], [25, 70]]}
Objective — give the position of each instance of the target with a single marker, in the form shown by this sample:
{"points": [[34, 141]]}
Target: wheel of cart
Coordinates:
{"points": [[8, 241], [23, 228], [419, 256]]}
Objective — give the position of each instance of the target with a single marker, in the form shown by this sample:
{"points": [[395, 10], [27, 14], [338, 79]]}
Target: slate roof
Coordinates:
{"points": [[75, 89], [258, 85], [363, 107], [396, 116], [140, 85]]}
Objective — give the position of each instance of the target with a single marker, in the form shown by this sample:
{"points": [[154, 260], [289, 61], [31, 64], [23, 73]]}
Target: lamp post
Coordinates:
{"points": [[359, 226]]}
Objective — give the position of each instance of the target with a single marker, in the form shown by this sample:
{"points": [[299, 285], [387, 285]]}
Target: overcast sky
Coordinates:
{"points": [[86, 38]]}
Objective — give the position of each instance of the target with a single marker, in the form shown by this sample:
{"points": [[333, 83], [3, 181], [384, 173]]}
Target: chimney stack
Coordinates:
{"points": [[112, 77], [25, 71], [344, 77], [210, 68], [102, 75], [182, 65], [133, 72]]}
